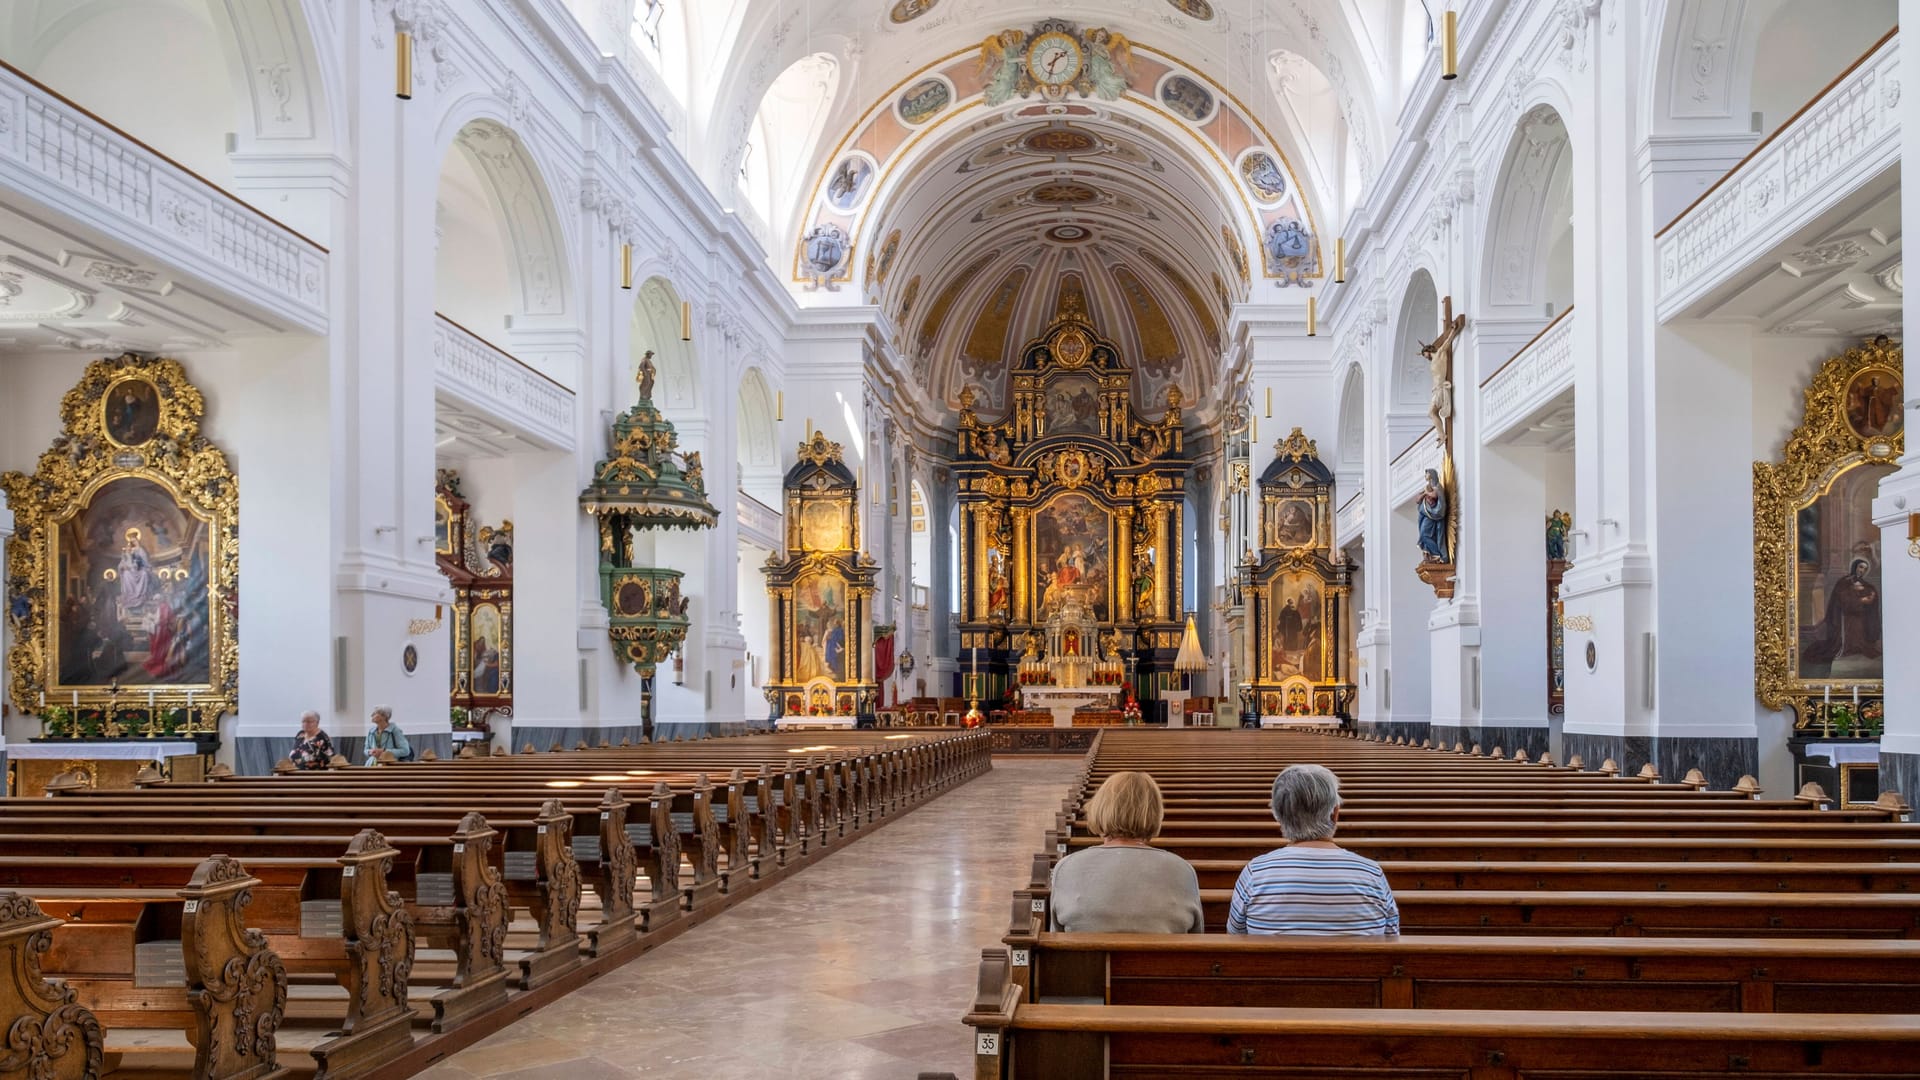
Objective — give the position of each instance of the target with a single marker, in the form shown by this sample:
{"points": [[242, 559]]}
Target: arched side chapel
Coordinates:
{"points": [[851, 224]]}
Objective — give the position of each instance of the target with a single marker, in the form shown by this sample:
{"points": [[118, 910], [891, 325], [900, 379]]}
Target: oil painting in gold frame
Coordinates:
{"points": [[1816, 552], [122, 578]]}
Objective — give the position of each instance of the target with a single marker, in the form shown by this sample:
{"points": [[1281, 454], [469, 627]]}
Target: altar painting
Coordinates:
{"points": [[486, 636], [132, 570], [820, 628], [1073, 405], [1838, 597], [1072, 537], [1296, 636]]}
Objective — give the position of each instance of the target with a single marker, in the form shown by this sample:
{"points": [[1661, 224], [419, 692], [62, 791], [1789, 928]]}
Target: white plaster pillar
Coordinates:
{"points": [[1900, 574], [381, 352]]}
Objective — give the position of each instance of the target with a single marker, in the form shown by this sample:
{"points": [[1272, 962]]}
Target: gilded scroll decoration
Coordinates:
{"points": [[122, 581], [1817, 555]]}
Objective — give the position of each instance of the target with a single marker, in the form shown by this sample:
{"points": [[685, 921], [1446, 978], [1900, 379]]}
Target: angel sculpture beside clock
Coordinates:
{"points": [[1056, 58]]}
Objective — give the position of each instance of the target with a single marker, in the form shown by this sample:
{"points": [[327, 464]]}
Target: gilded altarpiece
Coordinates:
{"points": [[1296, 592], [821, 588], [478, 561], [1071, 493], [122, 581]]}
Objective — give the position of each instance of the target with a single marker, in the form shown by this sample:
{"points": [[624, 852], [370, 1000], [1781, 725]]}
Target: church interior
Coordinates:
{"points": [[1499, 403]]}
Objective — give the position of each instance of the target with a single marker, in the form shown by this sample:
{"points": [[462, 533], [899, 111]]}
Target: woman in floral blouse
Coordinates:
{"points": [[311, 748]]}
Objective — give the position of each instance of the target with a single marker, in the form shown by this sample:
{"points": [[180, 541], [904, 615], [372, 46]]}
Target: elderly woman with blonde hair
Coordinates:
{"points": [[1126, 885]]}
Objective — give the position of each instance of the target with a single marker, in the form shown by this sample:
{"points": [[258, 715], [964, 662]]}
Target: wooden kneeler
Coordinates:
{"points": [[62, 1039], [556, 910], [235, 983], [479, 917], [379, 940]]}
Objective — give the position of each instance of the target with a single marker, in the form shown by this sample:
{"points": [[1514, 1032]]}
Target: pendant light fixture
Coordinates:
{"points": [[1313, 316], [1340, 261], [1450, 44], [686, 320], [403, 65], [626, 266]]}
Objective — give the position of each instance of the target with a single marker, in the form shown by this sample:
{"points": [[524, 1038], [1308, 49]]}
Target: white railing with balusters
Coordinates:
{"points": [[1350, 521], [1539, 372], [492, 382], [1842, 140], [1407, 473], [63, 157]]}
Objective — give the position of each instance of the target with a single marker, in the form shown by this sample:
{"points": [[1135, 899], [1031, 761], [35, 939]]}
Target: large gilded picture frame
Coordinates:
{"points": [[121, 581], [1817, 555]]}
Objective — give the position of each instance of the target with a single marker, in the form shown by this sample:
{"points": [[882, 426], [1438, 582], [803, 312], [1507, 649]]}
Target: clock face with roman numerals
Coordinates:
{"points": [[1054, 59]]}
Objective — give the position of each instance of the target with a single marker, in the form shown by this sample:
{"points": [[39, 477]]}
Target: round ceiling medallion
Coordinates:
{"points": [[1064, 194], [1060, 140], [1069, 234]]}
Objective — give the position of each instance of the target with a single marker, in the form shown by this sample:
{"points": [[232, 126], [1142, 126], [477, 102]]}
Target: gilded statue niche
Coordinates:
{"points": [[1817, 598], [122, 579]]}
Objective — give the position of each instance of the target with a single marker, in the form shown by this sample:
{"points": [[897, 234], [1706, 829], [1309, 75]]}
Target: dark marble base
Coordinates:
{"points": [[1901, 773], [1411, 731], [569, 736], [702, 730], [1508, 740], [1724, 761], [255, 756]]}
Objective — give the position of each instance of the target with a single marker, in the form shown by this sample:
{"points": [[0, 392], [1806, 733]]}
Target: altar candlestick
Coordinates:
{"points": [[76, 699], [1826, 696], [1856, 697], [149, 701]]}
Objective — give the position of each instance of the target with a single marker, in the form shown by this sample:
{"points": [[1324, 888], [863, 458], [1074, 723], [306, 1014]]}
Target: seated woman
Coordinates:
{"points": [[1126, 885], [386, 735], [1311, 886], [311, 748]]}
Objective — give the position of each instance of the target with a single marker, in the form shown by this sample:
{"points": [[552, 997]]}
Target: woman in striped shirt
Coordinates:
{"points": [[1311, 886]]}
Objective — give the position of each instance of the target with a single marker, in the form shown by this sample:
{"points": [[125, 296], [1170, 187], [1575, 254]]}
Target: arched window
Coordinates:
{"points": [[920, 547]]}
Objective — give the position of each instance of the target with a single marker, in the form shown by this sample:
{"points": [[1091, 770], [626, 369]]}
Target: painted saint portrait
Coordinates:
{"points": [[486, 633], [442, 527], [1296, 637], [1263, 175], [1874, 408], [823, 525], [1838, 601], [924, 100], [849, 182], [820, 628], [1187, 99], [1293, 523], [132, 571], [1072, 538], [905, 11], [999, 586], [131, 411], [1073, 405]]}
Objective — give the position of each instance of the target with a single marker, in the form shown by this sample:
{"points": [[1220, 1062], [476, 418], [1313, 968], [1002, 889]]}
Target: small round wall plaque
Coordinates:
{"points": [[409, 659], [1593, 656]]}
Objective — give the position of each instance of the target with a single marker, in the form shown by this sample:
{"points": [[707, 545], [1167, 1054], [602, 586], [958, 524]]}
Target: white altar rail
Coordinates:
{"points": [[1407, 474], [498, 385], [1538, 373], [61, 156], [1841, 141]]}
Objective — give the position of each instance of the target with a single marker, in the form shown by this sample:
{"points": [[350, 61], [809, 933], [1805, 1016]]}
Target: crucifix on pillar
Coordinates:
{"points": [[1439, 516]]}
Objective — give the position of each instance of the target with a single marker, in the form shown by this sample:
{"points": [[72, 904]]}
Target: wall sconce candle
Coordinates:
{"points": [[1313, 316], [403, 66], [686, 320], [1269, 402], [626, 266], [779, 406], [1450, 45], [1340, 261]]}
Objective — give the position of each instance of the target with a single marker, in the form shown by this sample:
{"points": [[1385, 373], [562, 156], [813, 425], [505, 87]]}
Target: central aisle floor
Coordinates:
{"points": [[857, 968]]}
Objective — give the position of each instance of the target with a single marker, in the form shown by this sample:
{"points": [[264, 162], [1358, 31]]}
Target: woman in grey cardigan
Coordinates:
{"points": [[1126, 885]]}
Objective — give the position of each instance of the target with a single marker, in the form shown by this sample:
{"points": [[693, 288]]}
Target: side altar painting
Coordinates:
{"points": [[478, 561], [821, 587], [1296, 592], [1818, 646], [121, 582]]}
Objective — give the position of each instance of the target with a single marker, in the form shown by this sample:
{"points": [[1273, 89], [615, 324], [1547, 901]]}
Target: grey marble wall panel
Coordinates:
{"points": [[1512, 740], [1901, 773], [1724, 761], [1412, 732]]}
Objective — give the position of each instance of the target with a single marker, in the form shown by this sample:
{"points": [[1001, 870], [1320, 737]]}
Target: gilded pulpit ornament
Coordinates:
{"points": [[1438, 511], [1817, 556], [822, 595], [122, 580], [646, 483]]}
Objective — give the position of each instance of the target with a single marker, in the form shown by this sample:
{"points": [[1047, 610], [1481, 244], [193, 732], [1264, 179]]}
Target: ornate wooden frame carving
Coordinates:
{"points": [[1822, 448], [85, 458]]}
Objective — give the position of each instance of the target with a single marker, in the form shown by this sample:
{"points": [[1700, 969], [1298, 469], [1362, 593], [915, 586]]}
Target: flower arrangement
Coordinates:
{"points": [[460, 718]]}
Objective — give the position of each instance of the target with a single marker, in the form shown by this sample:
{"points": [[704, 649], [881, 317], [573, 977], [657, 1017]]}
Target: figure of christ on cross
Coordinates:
{"points": [[1439, 355]]}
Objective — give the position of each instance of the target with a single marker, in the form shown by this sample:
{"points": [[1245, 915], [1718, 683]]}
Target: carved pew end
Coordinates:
{"points": [[1649, 773], [527, 748], [151, 776], [428, 755], [1577, 763], [1546, 758], [283, 767], [1475, 752], [70, 780], [1814, 795], [1499, 754], [339, 761], [1748, 786], [466, 752], [1520, 757], [1610, 767], [222, 771], [1695, 779], [1892, 803], [499, 751]]}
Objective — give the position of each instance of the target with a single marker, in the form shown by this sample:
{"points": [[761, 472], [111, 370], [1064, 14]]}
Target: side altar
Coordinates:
{"points": [[1296, 589], [1071, 498]]}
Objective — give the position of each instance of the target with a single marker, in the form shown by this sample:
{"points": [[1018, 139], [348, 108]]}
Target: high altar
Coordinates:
{"points": [[1296, 594], [1070, 504]]}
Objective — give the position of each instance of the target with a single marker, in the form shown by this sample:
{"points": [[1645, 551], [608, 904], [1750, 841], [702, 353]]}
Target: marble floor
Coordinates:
{"points": [[857, 968]]}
